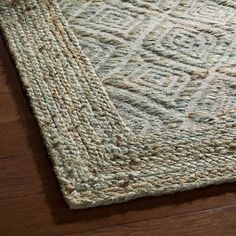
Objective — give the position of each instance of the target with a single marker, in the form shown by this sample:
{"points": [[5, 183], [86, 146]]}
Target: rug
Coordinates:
{"points": [[133, 98]]}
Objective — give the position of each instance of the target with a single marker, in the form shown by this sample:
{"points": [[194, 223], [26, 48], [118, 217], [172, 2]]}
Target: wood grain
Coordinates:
{"points": [[183, 224], [31, 202]]}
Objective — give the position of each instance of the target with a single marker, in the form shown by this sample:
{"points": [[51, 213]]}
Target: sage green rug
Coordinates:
{"points": [[134, 98]]}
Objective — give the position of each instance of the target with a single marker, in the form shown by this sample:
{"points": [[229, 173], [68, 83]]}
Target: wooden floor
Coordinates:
{"points": [[31, 202]]}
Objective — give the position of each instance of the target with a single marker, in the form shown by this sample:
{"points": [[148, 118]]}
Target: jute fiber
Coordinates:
{"points": [[133, 98]]}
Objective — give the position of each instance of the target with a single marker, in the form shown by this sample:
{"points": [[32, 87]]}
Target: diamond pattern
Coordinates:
{"points": [[161, 61]]}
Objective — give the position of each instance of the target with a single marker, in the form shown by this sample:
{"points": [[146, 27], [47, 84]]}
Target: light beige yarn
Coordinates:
{"points": [[97, 158]]}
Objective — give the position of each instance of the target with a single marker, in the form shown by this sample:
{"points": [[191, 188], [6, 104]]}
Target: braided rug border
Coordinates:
{"points": [[97, 159]]}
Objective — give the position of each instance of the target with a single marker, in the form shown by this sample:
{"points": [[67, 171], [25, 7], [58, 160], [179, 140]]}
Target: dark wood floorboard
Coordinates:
{"points": [[31, 202]]}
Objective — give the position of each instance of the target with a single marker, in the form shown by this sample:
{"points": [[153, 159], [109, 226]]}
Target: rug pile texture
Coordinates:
{"points": [[133, 98]]}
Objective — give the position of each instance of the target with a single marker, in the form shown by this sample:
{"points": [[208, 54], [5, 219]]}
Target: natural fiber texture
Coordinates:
{"points": [[161, 62], [102, 153]]}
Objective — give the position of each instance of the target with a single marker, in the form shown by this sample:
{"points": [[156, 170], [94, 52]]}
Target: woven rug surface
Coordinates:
{"points": [[133, 98]]}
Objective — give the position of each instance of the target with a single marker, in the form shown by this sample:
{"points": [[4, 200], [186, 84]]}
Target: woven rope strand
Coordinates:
{"points": [[97, 159]]}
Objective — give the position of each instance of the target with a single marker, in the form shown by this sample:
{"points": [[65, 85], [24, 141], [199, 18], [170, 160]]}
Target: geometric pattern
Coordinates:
{"points": [[169, 68], [165, 64]]}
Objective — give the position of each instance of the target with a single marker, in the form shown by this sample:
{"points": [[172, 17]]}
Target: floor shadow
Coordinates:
{"points": [[63, 215]]}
